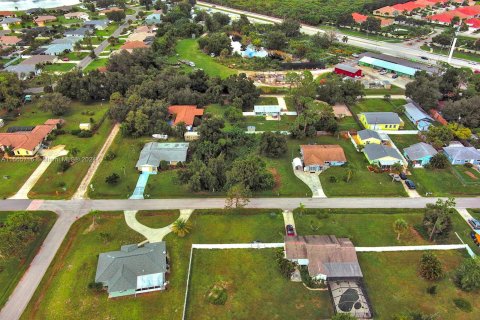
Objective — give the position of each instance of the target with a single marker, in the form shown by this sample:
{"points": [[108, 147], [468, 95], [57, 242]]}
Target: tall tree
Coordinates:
{"points": [[273, 145], [237, 196], [424, 90], [437, 218], [55, 102]]}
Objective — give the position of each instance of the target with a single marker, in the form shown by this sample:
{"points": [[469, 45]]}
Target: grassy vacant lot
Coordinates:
{"points": [[13, 175], [63, 292], [403, 141], [380, 105], [394, 285], [74, 56], [188, 49], [59, 67], [261, 124], [95, 64], [393, 90], [267, 101], [108, 30], [265, 295], [50, 184], [158, 218], [364, 183], [13, 268]]}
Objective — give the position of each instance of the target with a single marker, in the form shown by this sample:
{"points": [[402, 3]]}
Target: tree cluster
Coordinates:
{"points": [[16, 234], [437, 220], [11, 90]]}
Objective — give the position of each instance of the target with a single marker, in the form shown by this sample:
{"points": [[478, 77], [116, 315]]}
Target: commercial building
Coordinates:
{"points": [[388, 66]]}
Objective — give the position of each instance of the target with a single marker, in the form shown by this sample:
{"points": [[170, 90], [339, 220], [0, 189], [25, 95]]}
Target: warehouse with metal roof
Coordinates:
{"points": [[389, 66]]}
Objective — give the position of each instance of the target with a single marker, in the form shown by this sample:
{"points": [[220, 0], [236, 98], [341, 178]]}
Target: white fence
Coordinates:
{"points": [[412, 248], [238, 246], [394, 132]]}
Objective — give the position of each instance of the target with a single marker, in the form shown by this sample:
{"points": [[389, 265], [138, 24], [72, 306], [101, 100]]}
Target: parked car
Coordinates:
{"points": [[65, 59], [423, 58], [355, 55], [383, 71], [474, 223], [475, 237], [395, 177], [403, 175], [395, 76], [410, 185], [290, 230]]}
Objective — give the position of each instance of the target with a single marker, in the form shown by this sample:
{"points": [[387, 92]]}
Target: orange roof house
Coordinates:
{"points": [[9, 40], [112, 9], [129, 46], [317, 157], [27, 143], [358, 17], [41, 20], [185, 114], [7, 14]]}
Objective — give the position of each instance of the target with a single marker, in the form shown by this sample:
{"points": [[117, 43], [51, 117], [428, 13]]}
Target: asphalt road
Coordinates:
{"points": [[395, 49]]}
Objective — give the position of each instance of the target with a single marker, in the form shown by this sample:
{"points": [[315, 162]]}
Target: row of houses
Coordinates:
{"points": [[409, 7]]}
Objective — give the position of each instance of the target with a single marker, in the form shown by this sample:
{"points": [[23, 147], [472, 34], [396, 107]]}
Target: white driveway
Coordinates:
{"points": [[288, 217], [49, 156], [312, 181], [411, 193]]}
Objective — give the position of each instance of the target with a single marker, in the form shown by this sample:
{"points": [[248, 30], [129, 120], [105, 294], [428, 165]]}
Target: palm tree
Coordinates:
{"points": [[345, 39], [181, 227], [351, 170], [301, 209], [400, 226]]}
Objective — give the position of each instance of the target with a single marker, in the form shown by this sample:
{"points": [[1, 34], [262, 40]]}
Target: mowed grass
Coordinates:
{"points": [[13, 268], [158, 218], [13, 175], [265, 295], [381, 105], [262, 101], [393, 90], [95, 64], [261, 124], [55, 185], [403, 141], [364, 183], [59, 67], [394, 285], [188, 49], [64, 294]]}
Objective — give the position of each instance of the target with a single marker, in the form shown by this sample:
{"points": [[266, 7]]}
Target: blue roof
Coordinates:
{"points": [[389, 66]]}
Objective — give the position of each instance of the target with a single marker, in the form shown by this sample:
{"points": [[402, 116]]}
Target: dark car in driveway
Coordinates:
{"points": [[290, 230], [410, 184], [403, 176]]}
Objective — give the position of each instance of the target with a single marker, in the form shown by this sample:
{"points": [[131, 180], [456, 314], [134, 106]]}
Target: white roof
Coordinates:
{"points": [[267, 108]]}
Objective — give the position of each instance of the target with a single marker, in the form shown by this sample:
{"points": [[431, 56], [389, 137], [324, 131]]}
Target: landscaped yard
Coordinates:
{"points": [[381, 105], [13, 268], [261, 124], [63, 292], [394, 285], [262, 101], [95, 64], [265, 295], [75, 56], [187, 49], [403, 141], [107, 31], [13, 174], [52, 184], [363, 183], [59, 67]]}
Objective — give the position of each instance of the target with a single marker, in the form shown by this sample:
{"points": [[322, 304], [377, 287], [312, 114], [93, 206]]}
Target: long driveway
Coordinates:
{"points": [[395, 49]]}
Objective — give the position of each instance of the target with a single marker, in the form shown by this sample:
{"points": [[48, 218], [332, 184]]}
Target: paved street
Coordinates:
{"points": [[394, 49]]}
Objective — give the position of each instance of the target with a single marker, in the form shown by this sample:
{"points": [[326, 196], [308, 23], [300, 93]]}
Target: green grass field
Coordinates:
{"points": [[108, 30], [14, 268], [393, 90], [266, 294], [95, 64], [261, 124], [394, 285], [59, 67], [188, 49], [13, 175], [380, 105], [158, 218], [364, 183], [403, 141], [266, 101], [75, 56], [63, 292]]}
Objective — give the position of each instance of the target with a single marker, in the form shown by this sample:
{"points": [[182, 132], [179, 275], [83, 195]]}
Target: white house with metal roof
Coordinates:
{"points": [[419, 117], [133, 270], [462, 155], [155, 152], [267, 110]]}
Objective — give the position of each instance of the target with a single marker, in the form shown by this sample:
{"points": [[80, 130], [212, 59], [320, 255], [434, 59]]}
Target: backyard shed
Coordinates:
{"points": [[347, 70]]}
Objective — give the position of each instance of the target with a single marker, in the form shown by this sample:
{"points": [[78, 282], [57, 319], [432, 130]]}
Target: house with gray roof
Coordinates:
{"points": [[134, 269], [155, 152], [419, 117], [56, 49], [6, 22], [381, 155], [97, 24], [80, 32], [462, 155], [380, 120], [24, 71], [153, 18], [368, 136], [419, 154]]}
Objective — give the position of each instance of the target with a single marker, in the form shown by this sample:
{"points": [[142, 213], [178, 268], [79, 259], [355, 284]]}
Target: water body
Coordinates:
{"points": [[29, 4]]}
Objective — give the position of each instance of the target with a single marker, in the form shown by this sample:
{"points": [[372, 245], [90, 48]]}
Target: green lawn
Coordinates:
{"points": [[380, 105], [262, 101], [261, 124], [59, 67], [13, 175], [443, 183], [108, 30], [13, 268], [348, 123], [394, 286], [403, 141], [75, 56], [392, 91], [63, 292], [265, 295], [53, 185], [364, 183], [188, 49], [158, 218], [95, 64]]}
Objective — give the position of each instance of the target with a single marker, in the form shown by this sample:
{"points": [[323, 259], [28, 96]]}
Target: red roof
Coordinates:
{"points": [[9, 40], [437, 116], [359, 18], [474, 23], [6, 13], [29, 140], [185, 114], [471, 10], [409, 6], [133, 45]]}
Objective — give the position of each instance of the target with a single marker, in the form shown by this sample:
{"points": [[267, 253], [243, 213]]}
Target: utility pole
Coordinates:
{"points": [[453, 44]]}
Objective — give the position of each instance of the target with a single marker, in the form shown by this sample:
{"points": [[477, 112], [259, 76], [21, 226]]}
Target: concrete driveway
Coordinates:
{"points": [[312, 181]]}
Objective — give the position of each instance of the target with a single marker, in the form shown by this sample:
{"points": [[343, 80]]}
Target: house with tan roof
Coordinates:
{"points": [[27, 141], [185, 114], [320, 157], [387, 12], [132, 45], [112, 9], [76, 15], [42, 20], [9, 40]]}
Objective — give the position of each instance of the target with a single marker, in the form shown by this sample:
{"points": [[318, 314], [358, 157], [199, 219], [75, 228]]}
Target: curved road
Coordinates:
{"points": [[394, 49]]}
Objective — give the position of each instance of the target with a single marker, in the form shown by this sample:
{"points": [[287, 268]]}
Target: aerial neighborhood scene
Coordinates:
{"points": [[240, 159]]}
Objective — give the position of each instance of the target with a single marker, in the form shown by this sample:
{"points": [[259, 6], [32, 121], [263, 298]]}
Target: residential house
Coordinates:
{"points": [[381, 120], [42, 20], [39, 60], [77, 15], [24, 71], [387, 12], [326, 257], [27, 141], [7, 22], [419, 117], [97, 24], [58, 49], [132, 45], [320, 157], [33, 11], [381, 155], [368, 136], [185, 114], [108, 10], [7, 14], [155, 152], [438, 117], [80, 32], [267, 110], [461, 155], [419, 154], [9, 40], [154, 18], [134, 269]]}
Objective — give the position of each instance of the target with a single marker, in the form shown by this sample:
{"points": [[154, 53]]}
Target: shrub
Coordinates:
{"points": [[110, 155], [332, 179], [85, 134], [432, 290], [112, 179], [438, 161], [163, 165], [217, 295], [75, 132], [469, 165], [95, 286], [467, 275], [63, 166], [430, 267], [463, 304], [286, 267]]}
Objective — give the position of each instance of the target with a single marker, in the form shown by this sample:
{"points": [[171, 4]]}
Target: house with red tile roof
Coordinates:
{"points": [[26, 143], [185, 114], [7, 14], [131, 45], [358, 17], [473, 23], [9, 40]]}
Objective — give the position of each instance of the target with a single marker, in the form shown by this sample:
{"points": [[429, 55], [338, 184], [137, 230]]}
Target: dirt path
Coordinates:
{"points": [[82, 188]]}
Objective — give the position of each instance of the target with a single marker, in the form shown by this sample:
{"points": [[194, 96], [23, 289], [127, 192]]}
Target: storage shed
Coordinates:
{"points": [[347, 70]]}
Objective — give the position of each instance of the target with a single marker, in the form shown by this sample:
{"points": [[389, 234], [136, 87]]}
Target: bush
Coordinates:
{"points": [[432, 290], [286, 267], [463, 304], [85, 134], [110, 155], [467, 276], [430, 267], [112, 179], [95, 286], [333, 179], [63, 166], [163, 165], [468, 165], [438, 161], [217, 295], [75, 132]]}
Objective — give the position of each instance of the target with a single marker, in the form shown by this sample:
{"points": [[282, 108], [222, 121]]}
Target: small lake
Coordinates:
{"points": [[29, 4]]}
